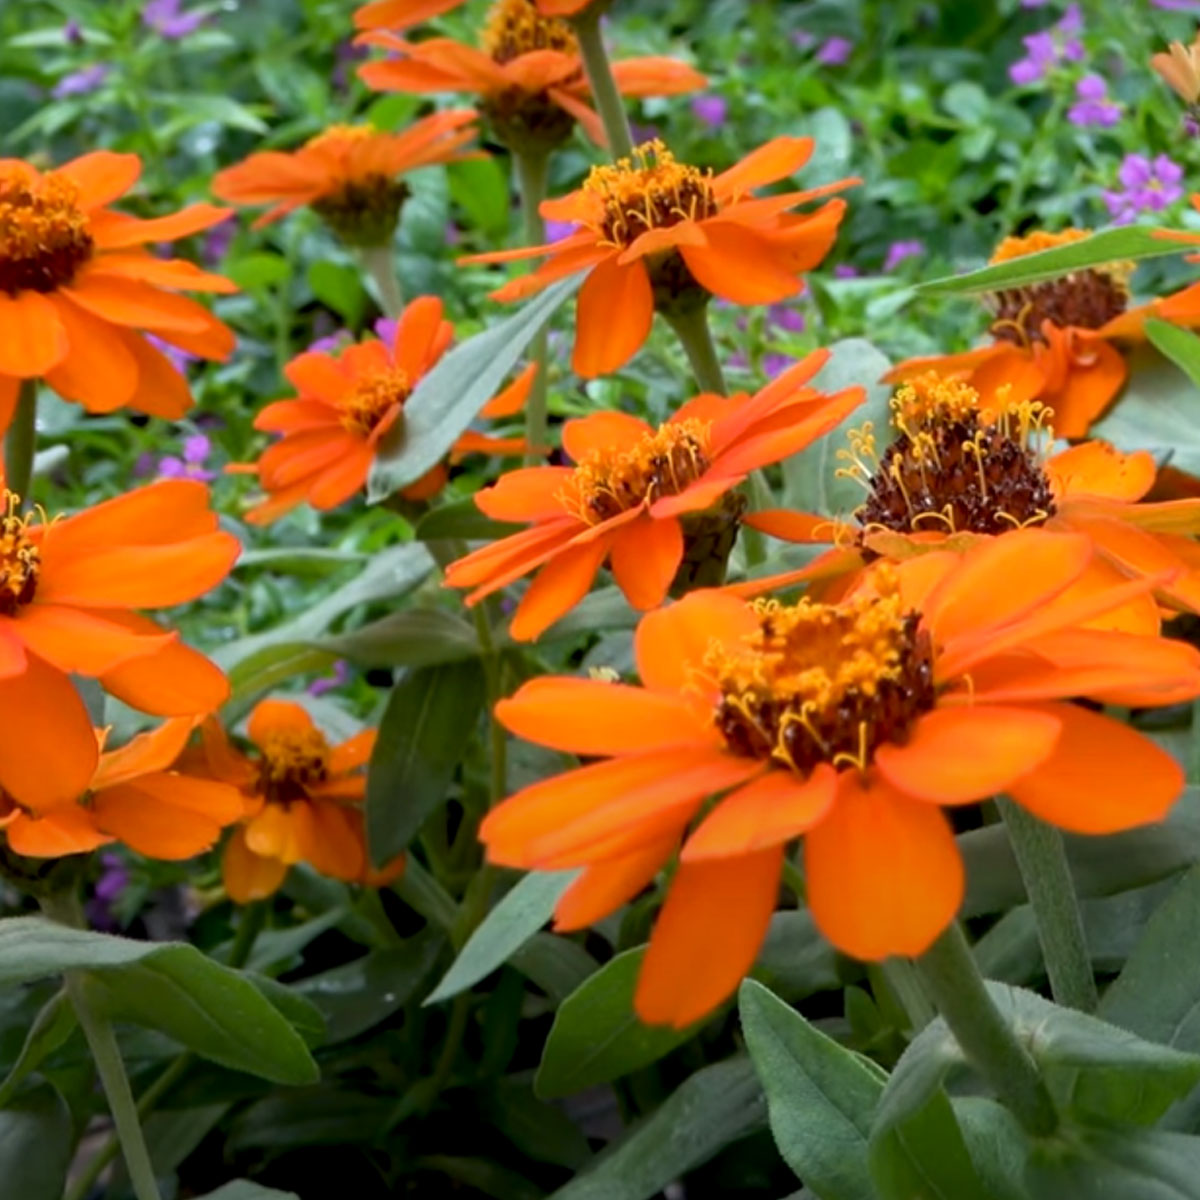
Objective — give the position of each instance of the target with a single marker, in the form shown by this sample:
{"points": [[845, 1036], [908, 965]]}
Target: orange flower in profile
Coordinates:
{"points": [[69, 591], [636, 494], [348, 174], [528, 75], [1058, 341], [656, 233], [957, 470], [303, 801], [402, 14], [78, 289], [1180, 67], [940, 681], [347, 402], [134, 797]]}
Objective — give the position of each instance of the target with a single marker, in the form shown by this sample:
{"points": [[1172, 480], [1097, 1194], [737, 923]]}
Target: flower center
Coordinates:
{"points": [[20, 558], [1084, 299], [953, 466], [825, 682], [45, 237], [609, 482], [649, 191], [371, 399], [292, 762], [515, 27], [365, 210]]}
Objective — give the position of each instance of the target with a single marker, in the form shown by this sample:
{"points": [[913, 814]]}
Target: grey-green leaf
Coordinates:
{"points": [[36, 1144]]}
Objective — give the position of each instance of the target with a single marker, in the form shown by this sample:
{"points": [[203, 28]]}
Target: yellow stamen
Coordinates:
{"points": [[45, 237], [20, 558], [372, 398], [515, 27]]}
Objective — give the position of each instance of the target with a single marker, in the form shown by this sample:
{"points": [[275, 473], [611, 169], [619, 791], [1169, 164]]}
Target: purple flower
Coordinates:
{"points": [[1183, 5], [643, 133], [217, 241], [834, 51], [79, 83], [1150, 186], [1034, 3], [337, 340], [196, 450], [710, 110], [899, 251], [73, 33], [803, 40], [114, 879], [776, 364], [557, 230], [1050, 48], [179, 359], [785, 317], [385, 330], [328, 683], [845, 271], [1092, 105], [164, 17]]}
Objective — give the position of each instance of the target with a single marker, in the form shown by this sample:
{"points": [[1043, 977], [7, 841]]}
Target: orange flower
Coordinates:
{"points": [[656, 233], [347, 402], [134, 797], [1180, 68], [634, 492], [77, 284], [303, 801], [528, 75], [347, 174], [402, 14], [957, 470], [68, 591], [1055, 341], [939, 682]]}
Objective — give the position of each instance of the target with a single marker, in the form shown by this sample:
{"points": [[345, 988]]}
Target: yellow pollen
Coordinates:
{"points": [[337, 136], [45, 237], [649, 191], [370, 400], [609, 482], [20, 558], [515, 27], [293, 760]]}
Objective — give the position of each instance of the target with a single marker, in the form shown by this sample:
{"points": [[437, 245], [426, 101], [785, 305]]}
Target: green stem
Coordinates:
{"points": [[955, 985], [901, 978], [254, 917], [422, 893], [380, 264], [692, 329], [1042, 861], [20, 443], [608, 100], [533, 175]]}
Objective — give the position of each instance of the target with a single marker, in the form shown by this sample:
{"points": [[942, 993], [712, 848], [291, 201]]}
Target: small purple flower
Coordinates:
{"points": [[452, 234], [1092, 105], [803, 40], [217, 241], [385, 330], [845, 271], [1034, 3], [164, 17], [329, 683], [73, 33], [179, 359], [1051, 47], [785, 317], [1150, 186], [79, 83], [196, 450], [643, 133], [710, 110], [834, 51], [114, 879], [776, 364], [557, 230], [333, 342], [1177, 5], [899, 251]]}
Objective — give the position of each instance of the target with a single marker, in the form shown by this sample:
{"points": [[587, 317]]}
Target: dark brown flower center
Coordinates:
{"points": [[372, 398], [293, 762], [20, 558], [45, 237], [515, 27]]}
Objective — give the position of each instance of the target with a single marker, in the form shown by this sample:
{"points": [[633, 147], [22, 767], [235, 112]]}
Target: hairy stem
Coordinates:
{"points": [[608, 100], [693, 332], [380, 264], [532, 176], [20, 443]]}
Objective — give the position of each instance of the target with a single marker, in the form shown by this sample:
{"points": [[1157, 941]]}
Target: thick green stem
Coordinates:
{"points": [[900, 977], [955, 985], [1042, 860], [533, 172], [380, 264], [692, 329], [20, 443], [608, 100], [254, 917]]}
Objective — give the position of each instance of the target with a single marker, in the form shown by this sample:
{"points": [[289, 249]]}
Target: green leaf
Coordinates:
{"points": [[479, 187], [413, 637], [596, 1036], [1107, 246], [54, 1023], [1116, 1164], [300, 1013], [820, 1096], [556, 964], [462, 519], [717, 1105], [37, 1141], [481, 1176], [171, 987], [809, 480], [338, 286], [540, 1131], [1181, 346], [996, 1143], [243, 1189], [504, 931], [429, 721], [796, 960], [259, 271], [446, 400]]}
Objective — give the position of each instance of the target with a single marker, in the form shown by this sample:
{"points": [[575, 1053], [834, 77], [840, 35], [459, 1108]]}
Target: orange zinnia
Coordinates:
{"points": [[658, 233], [401, 14], [347, 402], [347, 174], [528, 75], [77, 284], [68, 591], [303, 801], [1055, 341], [957, 470], [635, 492], [939, 682], [134, 797]]}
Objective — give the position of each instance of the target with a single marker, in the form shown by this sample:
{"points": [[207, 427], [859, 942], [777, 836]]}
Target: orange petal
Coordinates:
{"points": [[1098, 468], [1103, 776], [884, 874], [153, 751], [614, 314], [645, 557], [605, 886], [511, 400], [114, 231], [959, 755], [353, 753], [416, 332], [101, 176], [795, 526], [274, 717], [161, 513], [527, 494], [98, 371], [174, 681], [337, 483], [775, 160], [337, 848], [603, 432], [82, 643], [32, 337], [671, 643], [559, 586], [68, 830], [1089, 388], [167, 816], [162, 390], [139, 305], [707, 936], [248, 876], [739, 265], [282, 833]]}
